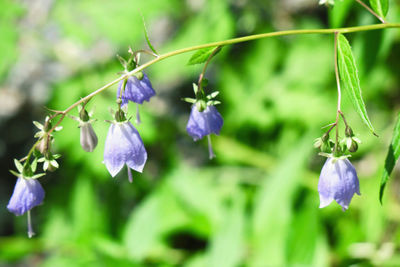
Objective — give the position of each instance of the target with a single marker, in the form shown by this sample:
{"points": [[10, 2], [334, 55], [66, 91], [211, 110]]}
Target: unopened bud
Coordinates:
{"points": [[83, 115], [354, 146], [88, 137], [139, 75], [349, 132], [44, 145]]}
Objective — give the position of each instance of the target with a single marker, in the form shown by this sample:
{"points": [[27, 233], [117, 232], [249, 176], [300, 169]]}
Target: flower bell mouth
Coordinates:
{"points": [[338, 181]]}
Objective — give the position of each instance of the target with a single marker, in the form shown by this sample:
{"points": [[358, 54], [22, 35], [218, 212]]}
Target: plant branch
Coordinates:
{"points": [[338, 91], [215, 51], [228, 42]]}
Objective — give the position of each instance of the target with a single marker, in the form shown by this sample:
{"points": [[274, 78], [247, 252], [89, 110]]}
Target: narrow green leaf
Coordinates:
{"points": [[202, 55], [146, 35], [380, 6], [349, 76], [391, 158]]}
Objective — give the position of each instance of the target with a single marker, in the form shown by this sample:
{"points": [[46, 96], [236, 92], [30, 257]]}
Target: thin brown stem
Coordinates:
{"points": [[338, 90], [371, 11], [215, 51]]}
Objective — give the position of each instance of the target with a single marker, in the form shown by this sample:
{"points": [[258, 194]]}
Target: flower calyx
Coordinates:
{"points": [[44, 135], [27, 170]]}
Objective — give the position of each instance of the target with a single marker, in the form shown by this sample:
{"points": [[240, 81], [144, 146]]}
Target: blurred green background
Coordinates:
{"points": [[256, 203]]}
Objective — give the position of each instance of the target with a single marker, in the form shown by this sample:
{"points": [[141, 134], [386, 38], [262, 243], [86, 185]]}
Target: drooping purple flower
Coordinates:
{"points": [[124, 147], [27, 194], [203, 123], [338, 181], [136, 90]]}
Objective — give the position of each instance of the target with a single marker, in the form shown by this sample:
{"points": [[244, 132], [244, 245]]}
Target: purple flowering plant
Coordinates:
{"points": [[124, 147]]}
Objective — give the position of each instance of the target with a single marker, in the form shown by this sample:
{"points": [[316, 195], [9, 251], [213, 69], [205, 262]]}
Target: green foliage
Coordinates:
{"points": [[381, 7], [393, 155], [201, 56], [256, 204], [349, 76]]}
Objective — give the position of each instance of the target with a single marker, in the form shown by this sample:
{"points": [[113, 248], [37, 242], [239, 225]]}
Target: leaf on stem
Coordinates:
{"points": [[146, 35], [391, 158], [202, 55], [381, 7], [349, 76]]}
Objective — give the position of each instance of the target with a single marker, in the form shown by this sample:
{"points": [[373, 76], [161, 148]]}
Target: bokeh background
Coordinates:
{"points": [[256, 203]]}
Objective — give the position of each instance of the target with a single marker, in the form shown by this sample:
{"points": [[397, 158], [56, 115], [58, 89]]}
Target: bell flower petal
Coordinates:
{"points": [[27, 194], [202, 123], [124, 146], [338, 181], [136, 90]]}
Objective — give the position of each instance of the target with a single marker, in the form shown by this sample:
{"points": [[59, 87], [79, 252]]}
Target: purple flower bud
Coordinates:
{"points": [[124, 146], [338, 181], [136, 90], [204, 123], [88, 136], [27, 194]]}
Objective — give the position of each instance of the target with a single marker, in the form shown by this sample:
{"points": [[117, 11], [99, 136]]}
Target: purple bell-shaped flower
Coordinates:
{"points": [[27, 194], [203, 123], [136, 90], [338, 181], [124, 147]]}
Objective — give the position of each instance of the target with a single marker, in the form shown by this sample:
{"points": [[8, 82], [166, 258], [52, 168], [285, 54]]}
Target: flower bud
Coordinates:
{"points": [[354, 146], [139, 75], [44, 145], [88, 137], [349, 132]]}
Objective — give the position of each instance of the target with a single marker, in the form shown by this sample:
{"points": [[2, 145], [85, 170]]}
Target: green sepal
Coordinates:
{"points": [[27, 170], [212, 95], [34, 165], [195, 89], [38, 125], [122, 60], [36, 176], [18, 165], [15, 173], [213, 102], [189, 100]]}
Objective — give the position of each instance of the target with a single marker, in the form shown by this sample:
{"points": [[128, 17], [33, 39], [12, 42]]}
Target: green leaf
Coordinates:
{"points": [[391, 158], [227, 244], [380, 6], [146, 35], [349, 76], [202, 55]]}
